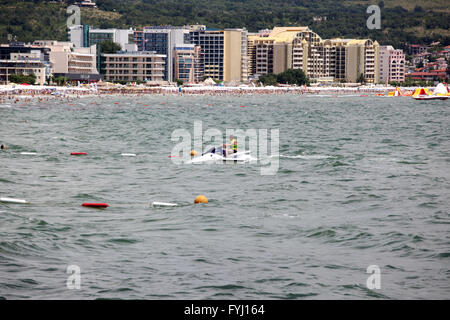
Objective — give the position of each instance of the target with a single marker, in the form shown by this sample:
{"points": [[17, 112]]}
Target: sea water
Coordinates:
{"points": [[361, 182]]}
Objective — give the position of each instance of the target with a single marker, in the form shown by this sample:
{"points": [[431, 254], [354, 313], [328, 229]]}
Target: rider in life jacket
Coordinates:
{"points": [[233, 146]]}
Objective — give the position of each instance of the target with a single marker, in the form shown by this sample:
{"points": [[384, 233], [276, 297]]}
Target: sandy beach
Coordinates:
{"points": [[22, 92]]}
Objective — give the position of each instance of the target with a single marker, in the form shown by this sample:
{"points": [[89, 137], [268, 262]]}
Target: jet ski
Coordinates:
{"points": [[217, 155]]}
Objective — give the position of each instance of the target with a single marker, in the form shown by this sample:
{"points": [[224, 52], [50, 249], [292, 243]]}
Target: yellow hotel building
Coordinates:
{"points": [[300, 48]]}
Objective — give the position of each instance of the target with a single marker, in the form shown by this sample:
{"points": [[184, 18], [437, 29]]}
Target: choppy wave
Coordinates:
{"points": [[306, 157]]}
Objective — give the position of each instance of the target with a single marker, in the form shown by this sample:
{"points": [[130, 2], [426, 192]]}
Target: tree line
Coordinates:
{"points": [[28, 20], [290, 76]]}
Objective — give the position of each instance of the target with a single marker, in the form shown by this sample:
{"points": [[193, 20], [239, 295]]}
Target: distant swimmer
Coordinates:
{"points": [[3, 147]]}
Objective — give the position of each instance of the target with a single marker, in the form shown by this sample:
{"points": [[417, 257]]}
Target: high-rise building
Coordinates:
{"points": [[361, 58], [187, 63], [391, 64], [235, 60], [224, 52], [211, 42], [163, 40]]}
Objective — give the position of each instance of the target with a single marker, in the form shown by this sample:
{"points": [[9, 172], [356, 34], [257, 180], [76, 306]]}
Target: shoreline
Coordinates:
{"points": [[61, 93]]}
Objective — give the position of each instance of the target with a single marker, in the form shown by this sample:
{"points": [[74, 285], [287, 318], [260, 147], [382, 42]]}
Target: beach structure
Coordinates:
{"points": [[399, 93], [442, 89], [439, 93]]}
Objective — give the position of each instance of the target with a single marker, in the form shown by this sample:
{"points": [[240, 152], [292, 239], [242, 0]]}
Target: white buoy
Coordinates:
{"points": [[29, 153], [163, 204], [128, 155], [11, 200]]}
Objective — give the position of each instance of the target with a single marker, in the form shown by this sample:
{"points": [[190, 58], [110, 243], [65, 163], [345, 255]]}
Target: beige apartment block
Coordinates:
{"points": [[134, 66], [301, 48], [361, 58], [272, 52], [235, 64], [22, 63], [66, 59]]}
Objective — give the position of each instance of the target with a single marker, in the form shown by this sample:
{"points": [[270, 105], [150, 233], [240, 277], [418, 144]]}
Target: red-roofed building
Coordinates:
{"points": [[435, 75], [440, 63], [414, 49]]}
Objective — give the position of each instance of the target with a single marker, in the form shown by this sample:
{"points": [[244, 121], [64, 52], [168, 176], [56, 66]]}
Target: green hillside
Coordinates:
{"points": [[421, 21]]}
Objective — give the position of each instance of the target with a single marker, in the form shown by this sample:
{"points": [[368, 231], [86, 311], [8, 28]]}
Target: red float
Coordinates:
{"points": [[95, 205]]}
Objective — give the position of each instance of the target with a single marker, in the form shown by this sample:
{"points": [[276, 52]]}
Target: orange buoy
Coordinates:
{"points": [[193, 153], [201, 199]]}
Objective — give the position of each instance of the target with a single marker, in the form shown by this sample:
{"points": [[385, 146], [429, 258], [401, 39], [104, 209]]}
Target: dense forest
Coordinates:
{"points": [[401, 21]]}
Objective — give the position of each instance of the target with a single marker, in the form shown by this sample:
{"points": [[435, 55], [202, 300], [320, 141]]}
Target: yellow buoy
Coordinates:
{"points": [[201, 199], [193, 153]]}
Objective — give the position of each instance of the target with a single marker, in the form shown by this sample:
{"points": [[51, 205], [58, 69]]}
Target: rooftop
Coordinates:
{"points": [[134, 53]]}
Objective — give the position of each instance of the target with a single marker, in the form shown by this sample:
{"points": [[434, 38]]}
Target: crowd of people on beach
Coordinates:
{"points": [[66, 93]]}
